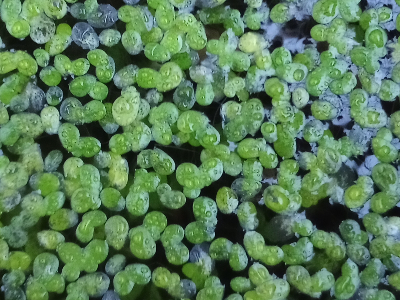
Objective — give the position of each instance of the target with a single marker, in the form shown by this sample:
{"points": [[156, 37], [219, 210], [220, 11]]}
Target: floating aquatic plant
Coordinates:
{"points": [[199, 149]]}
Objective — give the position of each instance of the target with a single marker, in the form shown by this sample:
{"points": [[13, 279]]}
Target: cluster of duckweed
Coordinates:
{"points": [[199, 149]]}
